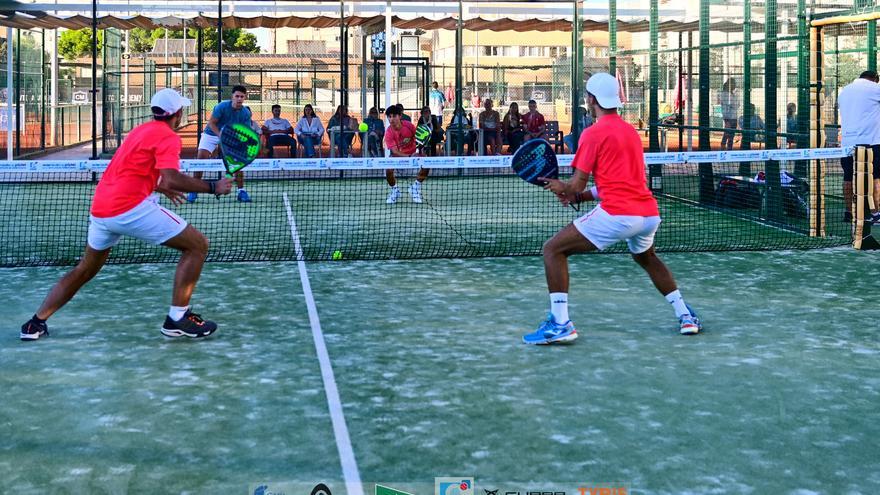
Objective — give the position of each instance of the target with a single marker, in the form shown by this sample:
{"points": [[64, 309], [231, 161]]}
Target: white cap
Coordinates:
{"points": [[168, 100], [606, 89]]}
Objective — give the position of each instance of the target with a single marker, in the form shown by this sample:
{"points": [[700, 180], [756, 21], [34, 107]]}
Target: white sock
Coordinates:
{"points": [[559, 306], [677, 302], [240, 189], [177, 312]]}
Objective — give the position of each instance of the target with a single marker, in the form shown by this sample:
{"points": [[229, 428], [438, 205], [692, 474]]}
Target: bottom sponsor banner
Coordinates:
{"points": [[446, 485]]}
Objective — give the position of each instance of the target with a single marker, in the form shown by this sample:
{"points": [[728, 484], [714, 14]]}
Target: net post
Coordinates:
{"points": [[863, 201], [707, 179]]}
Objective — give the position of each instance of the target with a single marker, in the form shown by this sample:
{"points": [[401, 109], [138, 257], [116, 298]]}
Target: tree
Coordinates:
{"points": [[234, 40], [75, 44]]}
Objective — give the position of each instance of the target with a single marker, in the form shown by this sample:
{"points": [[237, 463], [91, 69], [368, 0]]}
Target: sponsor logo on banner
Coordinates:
{"points": [[706, 156], [303, 164], [263, 165], [391, 163], [387, 490], [14, 166], [273, 488], [442, 162], [602, 490], [202, 165], [783, 155], [562, 160], [483, 161], [662, 158], [463, 485], [747, 155], [828, 153]]}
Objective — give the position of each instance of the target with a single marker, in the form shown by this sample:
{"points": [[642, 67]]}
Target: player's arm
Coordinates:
{"points": [[572, 191], [213, 124], [173, 180]]}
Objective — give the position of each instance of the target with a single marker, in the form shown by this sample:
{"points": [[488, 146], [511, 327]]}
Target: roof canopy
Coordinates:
{"points": [[548, 15]]}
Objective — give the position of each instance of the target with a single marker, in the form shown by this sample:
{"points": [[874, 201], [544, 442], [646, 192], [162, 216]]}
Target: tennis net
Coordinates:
{"points": [[473, 207]]}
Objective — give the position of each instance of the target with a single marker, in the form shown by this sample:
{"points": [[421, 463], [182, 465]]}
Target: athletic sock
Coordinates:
{"points": [[678, 304], [37, 319], [177, 312], [559, 306]]}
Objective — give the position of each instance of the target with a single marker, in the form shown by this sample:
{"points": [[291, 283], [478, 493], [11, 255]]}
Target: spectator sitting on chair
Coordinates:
{"points": [[346, 127], [403, 115], [490, 122], [534, 122], [375, 133], [755, 124], [512, 127], [427, 120], [278, 131], [309, 130], [460, 121], [586, 121]]}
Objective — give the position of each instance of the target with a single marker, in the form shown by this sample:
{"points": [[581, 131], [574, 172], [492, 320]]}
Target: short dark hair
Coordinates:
{"points": [[276, 106], [392, 110], [597, 100], [239, 88], [869, 74], [533, 101], [160, 114]]}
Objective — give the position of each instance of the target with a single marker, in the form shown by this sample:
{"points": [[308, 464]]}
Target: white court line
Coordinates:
{"points": [[343, 442]]}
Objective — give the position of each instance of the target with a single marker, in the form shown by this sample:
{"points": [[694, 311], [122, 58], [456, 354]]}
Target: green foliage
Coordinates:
{"points": [[234, 40], [75, 44]]}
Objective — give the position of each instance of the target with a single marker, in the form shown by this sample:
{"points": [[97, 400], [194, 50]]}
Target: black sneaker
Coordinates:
{"points": [[191, 325], [33, 330]]}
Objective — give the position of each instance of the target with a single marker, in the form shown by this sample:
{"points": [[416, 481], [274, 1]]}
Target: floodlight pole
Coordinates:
{"points": [[459, 107], [94, 79], [9, 93], [577, 72], [388, 53], [219, 51]]}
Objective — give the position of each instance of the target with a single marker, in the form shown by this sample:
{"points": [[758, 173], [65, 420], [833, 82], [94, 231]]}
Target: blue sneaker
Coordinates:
{"points": [[243, 196], [550, 331], [690, 324], [191, 197]]}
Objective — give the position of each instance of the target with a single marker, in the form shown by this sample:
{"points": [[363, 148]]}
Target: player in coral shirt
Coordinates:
{"points": [[610, 150], [126, 203]]}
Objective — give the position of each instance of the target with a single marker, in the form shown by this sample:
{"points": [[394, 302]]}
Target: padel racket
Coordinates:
{"points": [[239, 146], [535, 159]]}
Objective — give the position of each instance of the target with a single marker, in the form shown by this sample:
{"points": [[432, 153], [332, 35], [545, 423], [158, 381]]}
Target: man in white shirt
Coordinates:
{"points": [[859, 104], [437, 101], [279, 132]]}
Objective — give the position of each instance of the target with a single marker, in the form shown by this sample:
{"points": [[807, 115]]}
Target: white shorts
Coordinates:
{"points": [[147, 221], [208, 142], [603, 229]]}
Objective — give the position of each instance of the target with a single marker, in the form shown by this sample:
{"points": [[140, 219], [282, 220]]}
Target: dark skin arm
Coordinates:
{"points": [[572, 190], [174, 181]]}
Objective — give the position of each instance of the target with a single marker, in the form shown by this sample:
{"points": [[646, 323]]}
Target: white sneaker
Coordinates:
{"points": [[415, 190], [393, 195]]}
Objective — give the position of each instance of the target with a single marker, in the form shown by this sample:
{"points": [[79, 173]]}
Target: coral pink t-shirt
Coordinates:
{"points": [[611, 150], [134, 170]]}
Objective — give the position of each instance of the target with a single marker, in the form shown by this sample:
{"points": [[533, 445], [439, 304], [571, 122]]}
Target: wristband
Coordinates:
{"points": [[211, 185], [578, 198], [595, 192]]}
